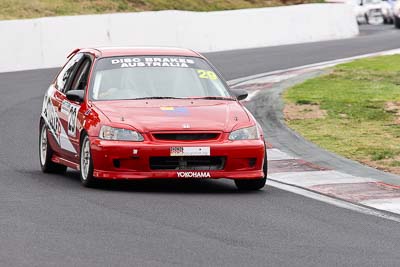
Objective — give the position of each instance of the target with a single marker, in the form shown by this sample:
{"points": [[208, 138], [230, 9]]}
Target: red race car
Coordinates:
{"points": [[139, 113]]}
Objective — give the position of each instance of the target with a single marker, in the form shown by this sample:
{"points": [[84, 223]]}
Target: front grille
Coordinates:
{"points": [[187, 163], [185, 136]]}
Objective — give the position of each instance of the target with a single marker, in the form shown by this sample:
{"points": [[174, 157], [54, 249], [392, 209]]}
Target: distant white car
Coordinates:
{"points": [[368, 11], [387, 11], [396, 14]]}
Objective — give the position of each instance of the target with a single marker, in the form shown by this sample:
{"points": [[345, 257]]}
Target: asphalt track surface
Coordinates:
{"points": [[51, 220]]}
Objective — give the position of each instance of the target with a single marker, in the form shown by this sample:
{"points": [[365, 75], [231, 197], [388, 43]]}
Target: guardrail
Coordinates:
{"points": [[44, 42]]}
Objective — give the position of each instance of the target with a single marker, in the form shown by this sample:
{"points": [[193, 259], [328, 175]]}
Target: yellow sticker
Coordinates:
{"points": [[207, 74], [167, 108]]}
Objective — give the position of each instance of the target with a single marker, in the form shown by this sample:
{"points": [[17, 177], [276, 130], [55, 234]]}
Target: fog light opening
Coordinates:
{"points": [[252, 162], [117, 163]]}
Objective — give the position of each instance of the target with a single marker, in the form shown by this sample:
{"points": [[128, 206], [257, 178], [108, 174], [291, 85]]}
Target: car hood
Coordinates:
{"points": [[168, 114]]}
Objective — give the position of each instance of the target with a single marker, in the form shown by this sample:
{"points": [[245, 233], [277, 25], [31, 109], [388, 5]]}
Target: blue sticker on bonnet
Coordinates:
{"points": [[176, 111]]}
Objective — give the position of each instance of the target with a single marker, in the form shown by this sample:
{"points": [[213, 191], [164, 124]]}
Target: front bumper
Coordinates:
{"points": [[131, 160]]}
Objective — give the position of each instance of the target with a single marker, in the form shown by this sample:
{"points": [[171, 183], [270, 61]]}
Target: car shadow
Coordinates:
{"points": [[182, 186], [70, 180]]}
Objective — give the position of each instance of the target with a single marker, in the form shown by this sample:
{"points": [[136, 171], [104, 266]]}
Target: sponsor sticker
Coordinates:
{"points": [[190, 151], [53, 122], [167, 108], [65, 107], [193, 174], [128, 62], [52, 119]]}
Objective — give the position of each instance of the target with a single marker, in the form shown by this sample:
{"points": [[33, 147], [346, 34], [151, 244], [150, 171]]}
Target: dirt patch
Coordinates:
{"points": [[394, 107], [303, 112]]}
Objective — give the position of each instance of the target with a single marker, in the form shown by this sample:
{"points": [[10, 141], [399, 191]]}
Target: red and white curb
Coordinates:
{"points": [[292, 171], [369, 192]]}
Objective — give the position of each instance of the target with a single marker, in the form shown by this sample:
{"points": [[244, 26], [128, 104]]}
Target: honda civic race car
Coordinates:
{"points": [[148, 113]]}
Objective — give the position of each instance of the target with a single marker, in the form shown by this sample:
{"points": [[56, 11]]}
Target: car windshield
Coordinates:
{"points": [[155, 77]]}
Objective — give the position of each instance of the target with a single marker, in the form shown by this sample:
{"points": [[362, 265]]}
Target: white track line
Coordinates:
{"points": [[389, 204], [312, 178], [332, 201]]}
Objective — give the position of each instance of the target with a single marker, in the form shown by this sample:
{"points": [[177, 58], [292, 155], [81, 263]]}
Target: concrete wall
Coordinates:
{"points": [[45, 42]]}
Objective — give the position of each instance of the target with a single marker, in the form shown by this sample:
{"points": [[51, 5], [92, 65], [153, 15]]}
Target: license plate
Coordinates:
{"points": [[190, 151]]}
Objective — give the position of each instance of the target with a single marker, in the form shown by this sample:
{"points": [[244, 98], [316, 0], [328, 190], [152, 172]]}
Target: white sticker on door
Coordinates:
{"points": [[72, 119]]}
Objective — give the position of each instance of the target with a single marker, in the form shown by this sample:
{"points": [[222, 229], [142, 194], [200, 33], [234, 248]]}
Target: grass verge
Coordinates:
{"points": [[361, 101], [20, 9]]}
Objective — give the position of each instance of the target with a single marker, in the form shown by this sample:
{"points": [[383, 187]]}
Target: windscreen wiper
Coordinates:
{"points": [[214, 98]]}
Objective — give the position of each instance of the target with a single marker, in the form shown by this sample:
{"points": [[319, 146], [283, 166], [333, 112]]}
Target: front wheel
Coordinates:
{"points": [[46, 153], [86, 163]]}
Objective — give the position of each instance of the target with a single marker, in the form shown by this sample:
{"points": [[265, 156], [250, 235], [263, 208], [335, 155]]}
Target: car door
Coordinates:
{"points": [[71, 112], [74, 111]]}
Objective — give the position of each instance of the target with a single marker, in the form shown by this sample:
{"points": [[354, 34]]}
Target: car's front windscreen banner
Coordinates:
{"points": [[151, 61]]}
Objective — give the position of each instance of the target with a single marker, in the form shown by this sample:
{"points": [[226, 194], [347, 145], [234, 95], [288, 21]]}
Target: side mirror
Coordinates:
{"points": [[76, 95], [240, 94]]}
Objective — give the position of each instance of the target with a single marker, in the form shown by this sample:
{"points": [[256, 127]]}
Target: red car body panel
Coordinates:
{"points": [[238, 156], [150, 116], [241, 159]]}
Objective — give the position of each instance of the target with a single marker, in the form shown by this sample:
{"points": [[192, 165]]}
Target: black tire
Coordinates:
{"points": [[254, 184], [389, 20], [46, 164], [250, 185], [397, 22], [87, 178]]}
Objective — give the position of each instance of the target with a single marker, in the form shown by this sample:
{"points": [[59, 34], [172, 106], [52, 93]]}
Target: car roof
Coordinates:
{"points": [[137, 51]]}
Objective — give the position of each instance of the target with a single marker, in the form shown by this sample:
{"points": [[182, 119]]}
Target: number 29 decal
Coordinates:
{"points": [[207, 74]]}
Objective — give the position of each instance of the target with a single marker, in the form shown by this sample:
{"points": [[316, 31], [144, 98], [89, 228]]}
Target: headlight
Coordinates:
{"points": [[120, 134], [249, 133]]}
